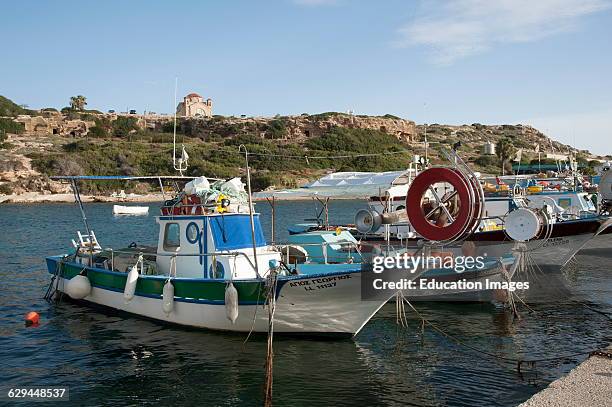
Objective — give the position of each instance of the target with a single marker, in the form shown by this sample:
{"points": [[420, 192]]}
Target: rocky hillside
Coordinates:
{"points": [[287, 151]]}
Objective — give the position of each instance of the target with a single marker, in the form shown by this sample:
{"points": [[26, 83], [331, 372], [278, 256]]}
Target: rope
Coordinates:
{"points": [[481, 352], [50, 289], [271, 282], [254, 312], [605, 314], [172, 272]]}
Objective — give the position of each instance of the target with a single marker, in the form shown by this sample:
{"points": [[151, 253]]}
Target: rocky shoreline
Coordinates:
{"points": [[37, 197]]}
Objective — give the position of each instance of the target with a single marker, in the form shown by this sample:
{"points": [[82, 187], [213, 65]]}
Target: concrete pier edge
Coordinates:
{"points": [[588, 384]]}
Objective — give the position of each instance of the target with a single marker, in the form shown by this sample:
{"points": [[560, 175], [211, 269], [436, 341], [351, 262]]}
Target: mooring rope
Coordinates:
{"points": [[50, 289], [400, 310], [271, 283], [481, 352]]}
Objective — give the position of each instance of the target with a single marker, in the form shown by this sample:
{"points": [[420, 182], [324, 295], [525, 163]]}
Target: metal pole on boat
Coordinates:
{"points": [[161, 186], [248, 173], [272, 203], [77, 197], [174, 132]]}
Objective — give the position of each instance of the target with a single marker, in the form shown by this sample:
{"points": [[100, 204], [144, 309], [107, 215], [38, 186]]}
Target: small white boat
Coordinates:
{"points": [[130, 210]]}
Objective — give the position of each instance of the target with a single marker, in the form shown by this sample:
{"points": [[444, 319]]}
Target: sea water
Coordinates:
{"points": [[110, 359]]}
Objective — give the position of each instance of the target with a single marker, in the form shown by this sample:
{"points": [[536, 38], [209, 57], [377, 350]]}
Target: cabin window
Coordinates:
{"points": [[172, 236], [565, 202], [193, 233], [216, 271]]}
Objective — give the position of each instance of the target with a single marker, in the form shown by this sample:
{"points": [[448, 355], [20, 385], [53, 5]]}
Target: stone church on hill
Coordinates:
{"points": [[194, 105]]}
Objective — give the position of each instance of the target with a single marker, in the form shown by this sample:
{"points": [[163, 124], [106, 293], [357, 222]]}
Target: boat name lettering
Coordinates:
{"points": [[319, 283], [556, 241]]}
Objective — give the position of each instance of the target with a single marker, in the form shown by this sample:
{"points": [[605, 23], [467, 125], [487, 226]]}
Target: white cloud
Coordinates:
{"points": [[457, 29], [589, 130]]}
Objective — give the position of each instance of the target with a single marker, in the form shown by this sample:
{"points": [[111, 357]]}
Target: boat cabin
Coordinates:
{"points": [[211, 246]]}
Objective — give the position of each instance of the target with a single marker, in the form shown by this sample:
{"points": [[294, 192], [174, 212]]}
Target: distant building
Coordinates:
{"points": [[488, 148], [558, 157], [194, 105]]}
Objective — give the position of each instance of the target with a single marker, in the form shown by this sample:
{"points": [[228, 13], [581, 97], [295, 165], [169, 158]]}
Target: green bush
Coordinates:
{"points": [[10, 126], [277, 129], [97, 132], [124, 125], [260, 182], [6, 189], [9, 108], [487, 161], [355, 140], [76, 146]]}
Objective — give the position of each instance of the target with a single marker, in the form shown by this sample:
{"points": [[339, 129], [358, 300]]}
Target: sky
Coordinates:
{"points": [[545, 63]]}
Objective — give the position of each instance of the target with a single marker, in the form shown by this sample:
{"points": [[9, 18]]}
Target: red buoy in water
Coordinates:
{"points": [[32, 318]]}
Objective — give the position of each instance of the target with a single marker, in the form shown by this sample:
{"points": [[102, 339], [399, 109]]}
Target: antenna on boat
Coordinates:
{"points": [[182, 162], [426, 143]]}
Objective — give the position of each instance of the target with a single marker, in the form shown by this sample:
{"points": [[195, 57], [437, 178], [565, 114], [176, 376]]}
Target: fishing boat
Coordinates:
{"points": [[549, 225], [324, 245], [563, 212], [213, 269], [130, 210]]}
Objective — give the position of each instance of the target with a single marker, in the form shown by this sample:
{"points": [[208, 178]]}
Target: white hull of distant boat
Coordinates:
{"points": [[484, 282], [130, 210]]}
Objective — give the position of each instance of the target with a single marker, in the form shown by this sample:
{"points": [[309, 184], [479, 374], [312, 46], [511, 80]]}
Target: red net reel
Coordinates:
{"points": [[448, 217]]}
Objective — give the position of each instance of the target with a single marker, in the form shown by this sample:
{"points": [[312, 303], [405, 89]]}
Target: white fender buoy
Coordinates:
{"points": [[130, 284], [168, 297], [523, 224], [231, 302], [78, 287]]}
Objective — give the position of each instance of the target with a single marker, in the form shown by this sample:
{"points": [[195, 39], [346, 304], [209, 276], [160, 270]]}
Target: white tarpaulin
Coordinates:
{"points": [[343, 185]]}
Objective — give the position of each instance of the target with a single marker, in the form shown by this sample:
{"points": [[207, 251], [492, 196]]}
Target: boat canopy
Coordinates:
{"points": [[345, 185]]}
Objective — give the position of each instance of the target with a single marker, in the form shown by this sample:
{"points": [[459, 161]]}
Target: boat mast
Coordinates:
{"points": [[182, 162], [77, 198], [174, 132]]}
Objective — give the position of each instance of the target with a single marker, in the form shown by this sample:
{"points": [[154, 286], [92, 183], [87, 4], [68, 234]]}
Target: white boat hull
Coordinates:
{"points": [[554, 252], [315, 306], [130, 210], [482, 278]]}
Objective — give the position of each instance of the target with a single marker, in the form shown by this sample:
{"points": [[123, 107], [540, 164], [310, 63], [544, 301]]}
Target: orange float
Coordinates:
{"points": [[32, 318]]}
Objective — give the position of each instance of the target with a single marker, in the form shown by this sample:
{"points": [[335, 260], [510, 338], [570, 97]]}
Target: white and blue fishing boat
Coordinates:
{"points": [[213, 269]]}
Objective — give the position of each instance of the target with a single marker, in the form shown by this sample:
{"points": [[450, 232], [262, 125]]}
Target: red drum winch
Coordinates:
{"points": [[446, 218]]}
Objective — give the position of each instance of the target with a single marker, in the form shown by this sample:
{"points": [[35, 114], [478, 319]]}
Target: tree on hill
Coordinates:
{"points": [[505, 152], [78, 102]]}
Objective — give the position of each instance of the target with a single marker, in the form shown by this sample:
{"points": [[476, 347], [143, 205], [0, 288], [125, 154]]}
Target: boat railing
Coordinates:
{"points": [[324, 247], [203, 208], [175, 255]]}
